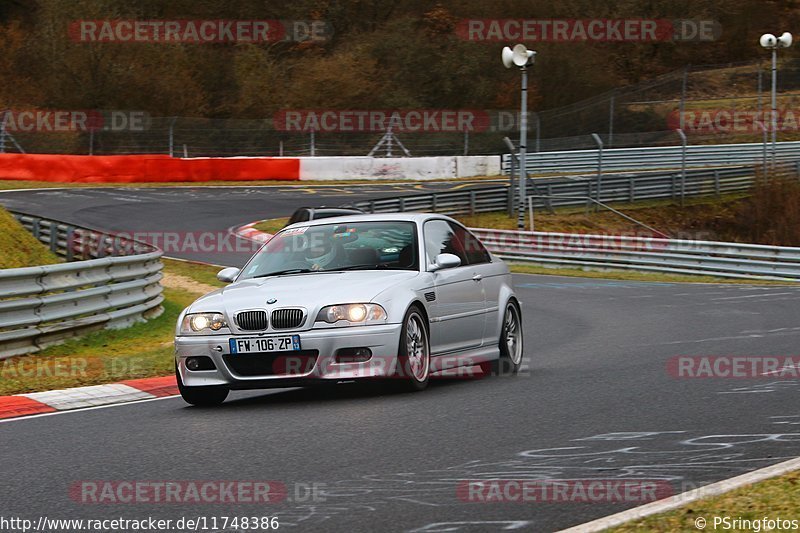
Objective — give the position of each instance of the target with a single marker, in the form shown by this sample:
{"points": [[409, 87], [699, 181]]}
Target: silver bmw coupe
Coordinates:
{"points": [[396, 297]]}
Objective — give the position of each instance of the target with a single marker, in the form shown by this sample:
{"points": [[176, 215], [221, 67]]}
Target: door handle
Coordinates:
{"points": [[477, 277]]}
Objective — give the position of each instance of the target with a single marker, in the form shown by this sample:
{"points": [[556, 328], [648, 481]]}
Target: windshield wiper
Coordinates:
{"points": [[282, 272], [381, 266]]}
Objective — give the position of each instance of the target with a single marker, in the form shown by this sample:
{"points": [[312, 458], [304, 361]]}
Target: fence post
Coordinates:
{"points": [[466, 141], [683, 166], [3, 133], [599, 143], [280, 149], [172, 136], [313, 143], [611, 119]]}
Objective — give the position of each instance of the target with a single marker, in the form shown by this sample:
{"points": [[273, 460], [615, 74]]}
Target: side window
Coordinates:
{"points": [[301, 215], [474, 250], [441, 239]]}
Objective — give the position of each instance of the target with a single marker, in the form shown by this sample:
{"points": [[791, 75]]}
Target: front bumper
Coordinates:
{"points": [[382, 340]]}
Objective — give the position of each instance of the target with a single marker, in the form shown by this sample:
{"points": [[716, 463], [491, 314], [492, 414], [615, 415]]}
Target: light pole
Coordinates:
{"points": [[521, 57], [770, 42]]}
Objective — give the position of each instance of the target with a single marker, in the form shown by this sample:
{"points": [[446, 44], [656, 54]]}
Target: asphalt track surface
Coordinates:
{"points": [[596, 400]]}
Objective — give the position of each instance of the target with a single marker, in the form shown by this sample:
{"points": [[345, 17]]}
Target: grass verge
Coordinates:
{"points": [[625, 275], [272, 225], [140, 351], [18, 248], [774, 498]]}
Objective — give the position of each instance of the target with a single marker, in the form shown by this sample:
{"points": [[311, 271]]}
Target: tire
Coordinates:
{"points": [[511, 343], [201, 396], [414, 353]]}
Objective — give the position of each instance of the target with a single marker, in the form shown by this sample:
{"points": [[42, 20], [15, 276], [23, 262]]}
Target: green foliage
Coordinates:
{"points": [[403, 53]]}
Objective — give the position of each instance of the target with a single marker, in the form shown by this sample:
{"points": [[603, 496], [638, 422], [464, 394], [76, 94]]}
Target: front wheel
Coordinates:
{"points": [[414, 354], [201, 396], [511, 343]]}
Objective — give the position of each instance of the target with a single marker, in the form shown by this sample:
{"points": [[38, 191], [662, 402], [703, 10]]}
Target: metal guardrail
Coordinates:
{"points": [[653, 158], [557, 192], [111, 283], [604, 252]]}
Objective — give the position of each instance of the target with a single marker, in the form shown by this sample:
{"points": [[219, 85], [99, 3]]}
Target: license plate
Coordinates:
{"points": [[288, 343]]}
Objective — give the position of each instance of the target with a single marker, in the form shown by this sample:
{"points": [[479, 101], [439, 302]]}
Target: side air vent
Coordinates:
{"points": [[430, 296]]}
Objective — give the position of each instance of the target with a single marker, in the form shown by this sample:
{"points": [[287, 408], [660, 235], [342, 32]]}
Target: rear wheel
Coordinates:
{"points": [[201, 396], [414, 354], [511, 343]]}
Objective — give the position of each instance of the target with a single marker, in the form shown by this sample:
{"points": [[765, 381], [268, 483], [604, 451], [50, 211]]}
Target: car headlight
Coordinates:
{"points": [[352, 314], [202, 322]]}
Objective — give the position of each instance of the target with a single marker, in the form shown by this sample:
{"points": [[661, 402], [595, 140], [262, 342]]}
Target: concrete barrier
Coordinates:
{"points": [[397, 168]]}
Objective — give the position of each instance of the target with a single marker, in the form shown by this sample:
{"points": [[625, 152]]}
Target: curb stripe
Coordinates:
{"points": [[158, 387], [14, 406], [36, 403]]}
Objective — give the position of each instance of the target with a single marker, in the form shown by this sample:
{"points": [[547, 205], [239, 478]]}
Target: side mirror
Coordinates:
{"points": [[227, 275], [444, 261]]}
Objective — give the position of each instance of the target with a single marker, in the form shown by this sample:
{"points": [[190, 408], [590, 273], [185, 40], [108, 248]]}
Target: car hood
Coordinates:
{"points": [[310, 291]]}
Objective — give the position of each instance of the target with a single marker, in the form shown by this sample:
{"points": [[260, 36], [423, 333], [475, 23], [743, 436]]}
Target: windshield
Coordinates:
{"points": [[337, 247]]}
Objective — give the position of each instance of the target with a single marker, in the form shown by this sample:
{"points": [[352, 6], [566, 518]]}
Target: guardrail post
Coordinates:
{"points": [[550, 198], [631, 190], [402, 206], [372, 206], [35, 228], [434, 202], [674, 185], [53, 239], [717, 190], [471, 202], [70, 243]]}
